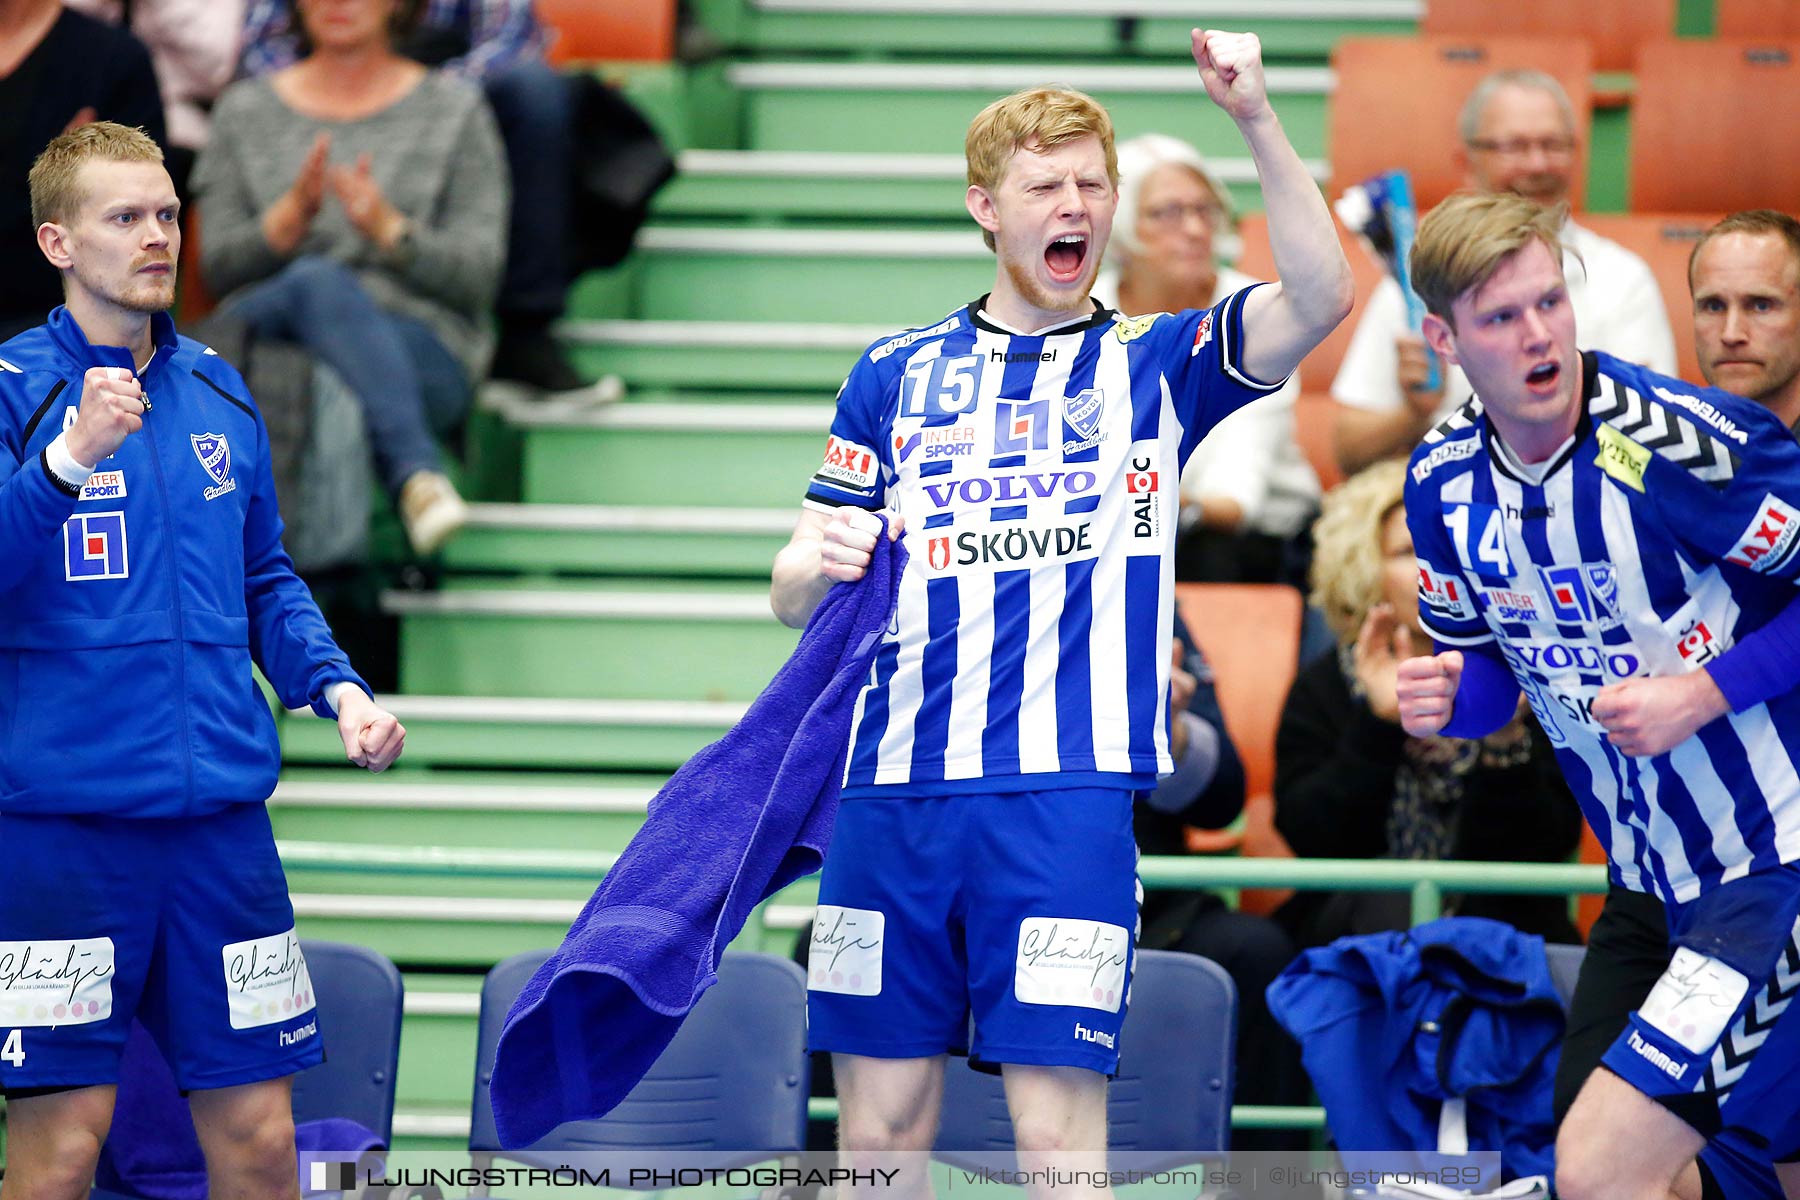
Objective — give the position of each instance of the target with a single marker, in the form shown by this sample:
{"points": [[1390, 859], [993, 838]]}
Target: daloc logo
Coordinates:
{"points": [[214, 453]]}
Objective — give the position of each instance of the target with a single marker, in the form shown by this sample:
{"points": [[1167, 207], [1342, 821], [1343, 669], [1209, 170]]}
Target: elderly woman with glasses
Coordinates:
{"points": [[1248, 494]]}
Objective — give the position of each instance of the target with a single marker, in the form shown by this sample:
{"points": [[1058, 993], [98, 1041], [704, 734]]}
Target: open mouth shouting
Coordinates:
{"points": [[1543, 377], [1066, 256]]}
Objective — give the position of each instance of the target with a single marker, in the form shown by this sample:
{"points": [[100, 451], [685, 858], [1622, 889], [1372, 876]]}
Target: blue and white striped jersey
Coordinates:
{"points": [[1663, 534], [1037, 475]]}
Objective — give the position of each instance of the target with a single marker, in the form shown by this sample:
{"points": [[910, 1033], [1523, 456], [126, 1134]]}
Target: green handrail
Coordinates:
{"points": [[1427, 881]]}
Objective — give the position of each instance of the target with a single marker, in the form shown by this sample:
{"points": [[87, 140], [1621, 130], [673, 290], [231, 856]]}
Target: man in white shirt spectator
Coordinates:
{"points": [[1519, 134]]}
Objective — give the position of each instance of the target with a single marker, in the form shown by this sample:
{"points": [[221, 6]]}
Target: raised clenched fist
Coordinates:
{"points": [[112, 409]]}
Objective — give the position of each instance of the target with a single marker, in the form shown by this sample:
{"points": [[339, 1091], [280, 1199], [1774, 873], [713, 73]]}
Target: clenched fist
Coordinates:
{"points": [[1426, 689], [112, 409], [372, 737], [849, 542], [1232, 70]]}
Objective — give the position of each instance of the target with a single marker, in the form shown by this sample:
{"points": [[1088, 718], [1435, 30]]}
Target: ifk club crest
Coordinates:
{"points": [[214, 453]]}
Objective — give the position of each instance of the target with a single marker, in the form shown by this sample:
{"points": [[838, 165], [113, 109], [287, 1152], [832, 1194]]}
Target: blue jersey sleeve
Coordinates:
{"points": [[1203, 352], [1754, 521], [855, 469], [33, 504], [1447, 607], [289, 639], [1723, 471]]}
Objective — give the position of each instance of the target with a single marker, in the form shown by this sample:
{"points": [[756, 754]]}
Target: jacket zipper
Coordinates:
{"points": [[169, 531]]}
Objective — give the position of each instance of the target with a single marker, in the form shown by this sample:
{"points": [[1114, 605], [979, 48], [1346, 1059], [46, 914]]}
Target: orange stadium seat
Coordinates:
{"points": [[1614, 28], [1702, 121], [1312, 412], [609, 30], [1250, 634], [1757, 18], [1396, 101], [1664, 240]]}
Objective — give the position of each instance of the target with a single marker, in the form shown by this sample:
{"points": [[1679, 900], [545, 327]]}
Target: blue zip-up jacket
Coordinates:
{"points": [[130, 615], [1391, 1025]]}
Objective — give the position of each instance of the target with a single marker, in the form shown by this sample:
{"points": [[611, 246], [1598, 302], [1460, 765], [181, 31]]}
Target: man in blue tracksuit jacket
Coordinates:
{"points": [[141, 574]]}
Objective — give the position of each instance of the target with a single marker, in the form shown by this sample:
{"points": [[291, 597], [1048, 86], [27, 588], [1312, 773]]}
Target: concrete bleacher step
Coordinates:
{"points": [[926, 107], [785, 184], [462, 808], [1141, 28], [893, 276], [624, 539], [514, 732], [674, 455], [596, 642], [726, 354]]}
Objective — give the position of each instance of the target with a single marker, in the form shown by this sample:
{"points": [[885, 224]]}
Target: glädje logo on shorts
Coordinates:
{"points": [[266, 981], [56, 981]]}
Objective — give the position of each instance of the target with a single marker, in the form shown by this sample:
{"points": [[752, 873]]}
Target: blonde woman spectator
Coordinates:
{"points": [[1350, 783]]}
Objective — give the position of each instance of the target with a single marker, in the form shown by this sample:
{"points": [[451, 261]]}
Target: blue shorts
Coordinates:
{"points": [[1019, 908], [1720, 1023], [183, 923]]}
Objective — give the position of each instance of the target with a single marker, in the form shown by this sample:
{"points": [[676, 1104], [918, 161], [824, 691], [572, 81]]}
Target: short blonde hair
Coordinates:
{"points": [[1347, 559], [55, 178], [1040, 118], [1466, 238]]}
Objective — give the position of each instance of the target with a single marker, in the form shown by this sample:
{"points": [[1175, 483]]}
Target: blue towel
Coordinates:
{"points": [[152, 1152], [743, 818]]}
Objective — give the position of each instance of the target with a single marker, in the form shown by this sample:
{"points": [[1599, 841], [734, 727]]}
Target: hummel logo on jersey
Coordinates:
{"points": [[1657, 1058], [1098, 1037], [1768, 541], [1002, 356]]}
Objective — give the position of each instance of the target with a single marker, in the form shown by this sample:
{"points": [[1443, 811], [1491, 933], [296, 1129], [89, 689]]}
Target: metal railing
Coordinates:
{"points": [[1426, 881]]}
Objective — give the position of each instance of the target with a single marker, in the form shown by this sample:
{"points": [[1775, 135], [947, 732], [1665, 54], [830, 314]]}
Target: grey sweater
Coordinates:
{"points": [[436, 154]]}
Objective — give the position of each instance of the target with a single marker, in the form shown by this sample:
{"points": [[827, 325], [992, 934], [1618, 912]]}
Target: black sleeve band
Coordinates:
{"points": [[62, 485]]}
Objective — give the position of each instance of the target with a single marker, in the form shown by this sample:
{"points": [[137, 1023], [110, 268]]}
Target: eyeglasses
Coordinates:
{"points": [[1520, 147], [1176, 213]]}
